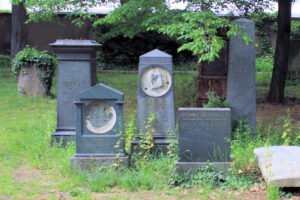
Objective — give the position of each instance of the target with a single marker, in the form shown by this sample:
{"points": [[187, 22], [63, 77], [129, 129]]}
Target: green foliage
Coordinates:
{"points": [[263, 28], [119, 51], [295, 29], [208, 175], [5, 61], [264, 67], [214, 101], [264, 63], [5, 11], [272, 193], [197, 31], [31, 56]]}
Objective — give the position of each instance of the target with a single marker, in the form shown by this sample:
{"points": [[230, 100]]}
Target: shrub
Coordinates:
{"points": [[5, 61], [40, 59]]}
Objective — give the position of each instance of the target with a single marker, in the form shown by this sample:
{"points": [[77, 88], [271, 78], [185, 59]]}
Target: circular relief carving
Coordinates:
{"points": [[155, 81], [99, 117]]}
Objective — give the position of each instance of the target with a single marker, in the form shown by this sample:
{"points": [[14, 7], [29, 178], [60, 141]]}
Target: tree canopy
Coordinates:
{"points": [[199, 30]]}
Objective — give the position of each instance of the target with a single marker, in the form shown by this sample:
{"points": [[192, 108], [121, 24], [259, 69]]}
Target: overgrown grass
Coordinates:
{"points": [[31, 168]]}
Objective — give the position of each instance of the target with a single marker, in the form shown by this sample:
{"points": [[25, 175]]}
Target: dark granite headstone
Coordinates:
{"points": [[76, 72], [155, 95], [99, 128], [204, 135], [241, 88]]}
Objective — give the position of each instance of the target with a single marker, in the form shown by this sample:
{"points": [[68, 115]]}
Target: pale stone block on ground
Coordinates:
{"points": [[280, 165]]}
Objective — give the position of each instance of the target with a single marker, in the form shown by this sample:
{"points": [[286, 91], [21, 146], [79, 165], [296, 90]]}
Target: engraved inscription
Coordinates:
{"points": [[99, 117], [155, 81], [191, 116]]}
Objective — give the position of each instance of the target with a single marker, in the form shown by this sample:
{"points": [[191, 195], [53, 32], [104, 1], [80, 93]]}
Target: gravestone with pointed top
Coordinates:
{"points": [[99, 128], [156, 97], [76, 72]]}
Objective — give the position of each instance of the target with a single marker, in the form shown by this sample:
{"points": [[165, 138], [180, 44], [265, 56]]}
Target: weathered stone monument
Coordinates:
{"points": [[241, 88], [279, 165], [76, 72], [204, 135], [99, 128], [29, 82], [155, 95]]}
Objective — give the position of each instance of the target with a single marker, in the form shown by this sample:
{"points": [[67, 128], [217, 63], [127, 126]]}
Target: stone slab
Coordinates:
{"points": [[204, 134], [89, 163], [29, 82], [191, 167], [280, 165], [241, 86]]}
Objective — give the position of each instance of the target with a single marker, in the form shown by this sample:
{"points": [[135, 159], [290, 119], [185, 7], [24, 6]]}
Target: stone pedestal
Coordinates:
{"points": [[155, 96], [76, 72]]}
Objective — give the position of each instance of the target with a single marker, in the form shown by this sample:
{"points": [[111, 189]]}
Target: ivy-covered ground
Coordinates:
{"points": [[33, 169]]}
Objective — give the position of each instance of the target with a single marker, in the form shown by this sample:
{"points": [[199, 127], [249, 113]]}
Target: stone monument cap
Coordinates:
{"points": [[75, 46], [243, 20], [156, 53], [67, 42], [101, 91], [155, 56]]}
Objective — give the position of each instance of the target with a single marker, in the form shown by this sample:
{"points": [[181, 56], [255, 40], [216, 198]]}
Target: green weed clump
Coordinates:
{"points": [[214, 101], [5, 61], [264, 63], [264, 67]]}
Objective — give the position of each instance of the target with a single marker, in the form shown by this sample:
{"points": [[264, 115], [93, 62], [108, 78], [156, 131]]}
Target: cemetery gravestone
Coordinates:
{"points": [[76, 72], [99, 128], [155, 96], [29, 82], [204, 135], [241, 88], [279, 165]]}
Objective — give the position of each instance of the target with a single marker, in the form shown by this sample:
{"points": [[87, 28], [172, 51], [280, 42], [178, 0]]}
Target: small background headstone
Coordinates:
{"points": [[204, 135], [76, 72], [280, 165], [99, 128], [241, 87], [155, 95], [29, 82]]}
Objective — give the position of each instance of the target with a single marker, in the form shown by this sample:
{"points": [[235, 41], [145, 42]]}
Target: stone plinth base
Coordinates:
{"points": [[63, 137], [191, 167], [89, 163]]}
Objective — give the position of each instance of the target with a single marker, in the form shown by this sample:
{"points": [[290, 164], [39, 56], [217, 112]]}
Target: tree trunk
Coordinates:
{"points": [[276, 92], [19, 29]]}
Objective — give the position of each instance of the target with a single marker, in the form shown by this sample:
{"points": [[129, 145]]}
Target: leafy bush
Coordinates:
{"points": [[5, 61], [264, 63], [214, 101], [40, 59], [122, 53], [207, 175]]}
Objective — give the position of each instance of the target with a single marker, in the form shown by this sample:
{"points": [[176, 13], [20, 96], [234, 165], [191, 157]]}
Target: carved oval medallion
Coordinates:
{"points": [[155, 81], [99, 117]]}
